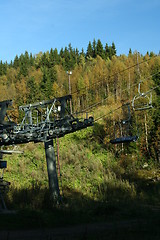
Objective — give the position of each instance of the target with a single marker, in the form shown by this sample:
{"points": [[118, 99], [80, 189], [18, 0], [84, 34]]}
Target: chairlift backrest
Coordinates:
{"points": [[128, 114], [142, 101]]}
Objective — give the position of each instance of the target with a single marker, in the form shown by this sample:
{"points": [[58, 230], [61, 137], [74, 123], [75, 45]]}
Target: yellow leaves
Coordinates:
{"points": [[11, 75], [21, 91], [36, 74], [55, 89], [3, 79], [3, 91]]}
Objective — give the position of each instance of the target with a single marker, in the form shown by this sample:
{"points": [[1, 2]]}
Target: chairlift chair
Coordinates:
{"points": [[124, 130], [126, 139], [143, 100]]}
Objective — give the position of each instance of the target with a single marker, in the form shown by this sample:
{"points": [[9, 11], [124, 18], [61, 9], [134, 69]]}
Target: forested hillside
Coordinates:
{"points": [[101, 82], [98, 179]]}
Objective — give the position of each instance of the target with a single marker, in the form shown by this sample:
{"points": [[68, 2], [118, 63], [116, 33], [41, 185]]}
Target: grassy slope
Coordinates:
{"points": [[96, 186]]}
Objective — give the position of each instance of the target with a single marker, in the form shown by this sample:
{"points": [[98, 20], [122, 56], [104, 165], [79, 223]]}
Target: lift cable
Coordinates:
{"points": [[110, 112], [100, 102], [120, 72]]}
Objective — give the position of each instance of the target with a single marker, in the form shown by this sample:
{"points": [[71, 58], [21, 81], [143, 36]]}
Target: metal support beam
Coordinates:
{"points": [[52, 171]]}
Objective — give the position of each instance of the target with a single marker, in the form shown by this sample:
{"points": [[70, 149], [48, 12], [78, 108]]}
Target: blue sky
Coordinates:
{"points": [[39, 25]]}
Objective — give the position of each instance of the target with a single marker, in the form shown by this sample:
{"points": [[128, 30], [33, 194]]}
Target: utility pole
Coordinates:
{"points": [[69, 84]]}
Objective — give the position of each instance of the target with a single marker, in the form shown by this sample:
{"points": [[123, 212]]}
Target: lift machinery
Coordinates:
{"points": [[42, 122]]}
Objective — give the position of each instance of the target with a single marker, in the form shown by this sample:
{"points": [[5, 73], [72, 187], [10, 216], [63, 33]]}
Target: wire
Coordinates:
{"points": [[97, 119], [98, 103], [137, 64]]}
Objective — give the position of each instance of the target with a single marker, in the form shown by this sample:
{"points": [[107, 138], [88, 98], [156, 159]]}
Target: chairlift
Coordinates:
{"points": [[126, 139], [143, 100], [123, 129]]}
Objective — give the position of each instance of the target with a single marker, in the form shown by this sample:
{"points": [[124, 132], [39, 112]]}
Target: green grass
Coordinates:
{"points": [[97, 187]]}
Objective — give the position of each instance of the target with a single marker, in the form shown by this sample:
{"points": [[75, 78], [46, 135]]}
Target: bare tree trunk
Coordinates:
{"points": [[146, 132], [87, 97], [107, 89], [129, 83], [115, 89]]}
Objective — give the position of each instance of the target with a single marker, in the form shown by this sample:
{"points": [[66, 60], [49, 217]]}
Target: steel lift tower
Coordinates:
{"points": [[42, 122]]}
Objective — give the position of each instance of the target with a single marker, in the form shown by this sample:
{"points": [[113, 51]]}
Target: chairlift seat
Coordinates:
{"points": [[3, 164], [126, 139], [142, 107]]}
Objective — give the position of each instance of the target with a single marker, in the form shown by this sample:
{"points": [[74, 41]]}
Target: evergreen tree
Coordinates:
{"points": [[100, 50], [24, 64], [31, 60], [26, 59], [44, 60], [94, 46], [82, 52], [52, 75], [67, 58], [16, 62], [77, 55], [130, 51], [53, 57], [110, 53], [106, 51], [5, 66], [89, 52], [72, 53], [33, 91], [45, 85], [61, 53], [113, 49], [1, 68]]}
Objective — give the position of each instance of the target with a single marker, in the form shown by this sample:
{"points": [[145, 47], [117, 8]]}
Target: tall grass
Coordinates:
{"points": [[89, 171]]}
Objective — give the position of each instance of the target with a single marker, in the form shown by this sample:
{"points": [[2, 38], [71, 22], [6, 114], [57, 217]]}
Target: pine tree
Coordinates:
{"points": [[52, 75], [45, 85], [53, 57], [44, 60], [24, 64], [67, 58], [100, 50], [94, 46], [113, 49], [130, 51], [89, 52], [61, 53], [106, 51], [77, 55], [16, 62], [32, 90], [31, 60], [1, 68]]}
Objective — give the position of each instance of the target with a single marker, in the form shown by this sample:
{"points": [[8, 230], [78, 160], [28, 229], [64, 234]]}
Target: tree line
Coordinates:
{"points": [[67, 57]]}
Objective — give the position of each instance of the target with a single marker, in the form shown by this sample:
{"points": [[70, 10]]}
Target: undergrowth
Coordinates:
{"points": [[95, 183]]}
